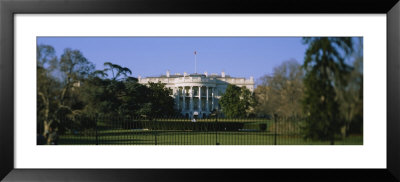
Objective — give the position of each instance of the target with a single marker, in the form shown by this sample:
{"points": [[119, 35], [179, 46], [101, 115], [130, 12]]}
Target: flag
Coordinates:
{"points": [[195, 52]]}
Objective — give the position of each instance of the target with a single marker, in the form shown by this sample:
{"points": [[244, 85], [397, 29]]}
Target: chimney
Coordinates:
{"points": [[223, 74], [184, 74], [206, 74], [167, 73]]}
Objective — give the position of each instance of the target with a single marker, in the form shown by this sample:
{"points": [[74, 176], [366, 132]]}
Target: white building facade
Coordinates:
{"points": [[198, 94]]}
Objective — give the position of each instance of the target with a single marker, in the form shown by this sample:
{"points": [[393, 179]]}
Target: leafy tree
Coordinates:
{"points": [[116, 70], [237, 101], [47, 87], [133, 98], [350, 96], [103, 96], [160, 101], [127, 97], [75, 68], [325, 69], [264, 98], [98, 96], [281, 93]]}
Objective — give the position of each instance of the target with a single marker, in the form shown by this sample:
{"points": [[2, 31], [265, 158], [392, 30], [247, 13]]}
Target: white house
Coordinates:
{"points": [[198, 93]]}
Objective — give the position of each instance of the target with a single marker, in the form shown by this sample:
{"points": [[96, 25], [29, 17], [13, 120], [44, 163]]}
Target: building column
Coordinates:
{"points": [[178, 95], [199, 99], [184, 95], [207, 108], [212, 97], [191, 98]]}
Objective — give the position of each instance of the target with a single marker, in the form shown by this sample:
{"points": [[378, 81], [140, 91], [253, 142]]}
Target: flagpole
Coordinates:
{"points": [[195, 62]]}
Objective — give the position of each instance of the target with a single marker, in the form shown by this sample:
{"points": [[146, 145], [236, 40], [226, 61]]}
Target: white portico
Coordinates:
{"points": [[198, 92]]}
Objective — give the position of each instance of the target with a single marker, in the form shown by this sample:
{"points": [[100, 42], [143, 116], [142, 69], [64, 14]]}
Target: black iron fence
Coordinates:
{"points": [[183, 131]]}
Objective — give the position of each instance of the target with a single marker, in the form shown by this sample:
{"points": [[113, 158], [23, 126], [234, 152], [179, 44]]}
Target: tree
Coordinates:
{"points": [[325, 69], [281, 93], [75, 68], [264, 98], [126, 98], [113, 97], [160, 101], [350, 96], [134, 97], [108, 97], [237, 101], [116, 70], [58, 97], [72, 69], [47, 87], [98, 96]]}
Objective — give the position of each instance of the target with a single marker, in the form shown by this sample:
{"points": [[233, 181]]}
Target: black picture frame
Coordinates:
{"points": [[8, 8]]}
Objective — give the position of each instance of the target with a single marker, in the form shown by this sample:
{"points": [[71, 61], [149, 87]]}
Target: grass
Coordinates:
{"points": [[143, 137]]}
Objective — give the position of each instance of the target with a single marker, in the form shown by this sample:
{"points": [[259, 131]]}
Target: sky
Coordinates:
{"points": [[153, 56]]}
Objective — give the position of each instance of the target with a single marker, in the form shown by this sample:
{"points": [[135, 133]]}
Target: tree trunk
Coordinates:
{"points": [[65, 89], [343, 131], [46, 122], [63, 94], [46, 128], [333, 140]]}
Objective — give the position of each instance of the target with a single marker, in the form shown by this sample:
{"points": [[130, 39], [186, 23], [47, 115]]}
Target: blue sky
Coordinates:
{"points": [[152, 56]]}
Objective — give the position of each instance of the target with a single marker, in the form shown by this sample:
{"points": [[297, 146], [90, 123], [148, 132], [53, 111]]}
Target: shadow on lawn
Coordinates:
{"points": [[101, 141]]}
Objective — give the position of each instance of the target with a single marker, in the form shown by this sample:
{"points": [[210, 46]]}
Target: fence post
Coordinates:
{"points": [[155, 131], [97, 137], [276, 127], [216, 129]]}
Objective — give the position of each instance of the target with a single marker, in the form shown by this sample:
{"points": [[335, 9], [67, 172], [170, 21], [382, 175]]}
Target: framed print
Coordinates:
{"points": [[203, 138]]}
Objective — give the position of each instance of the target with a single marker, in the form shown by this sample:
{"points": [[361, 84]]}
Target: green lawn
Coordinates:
{"points": [[143, 137]]}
